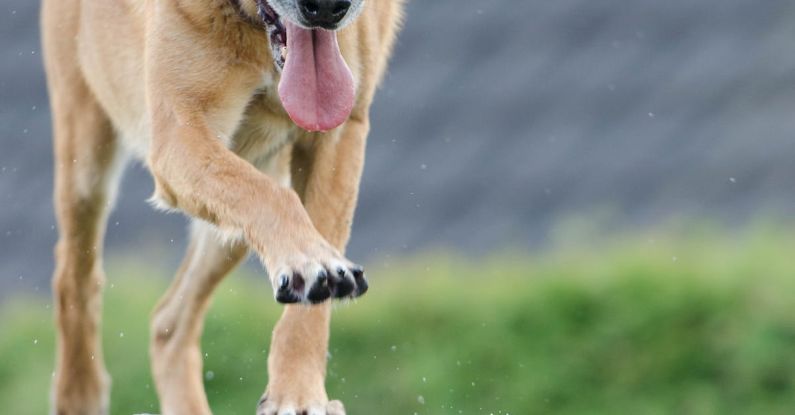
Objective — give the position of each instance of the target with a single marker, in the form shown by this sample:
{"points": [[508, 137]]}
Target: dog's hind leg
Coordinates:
{"points": [[87, 166], [178, 320]]}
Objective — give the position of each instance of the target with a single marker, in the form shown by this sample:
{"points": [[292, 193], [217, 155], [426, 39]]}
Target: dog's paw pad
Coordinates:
{"points": [[320, 290], [361, 281], [286, 292], [318, 286]]}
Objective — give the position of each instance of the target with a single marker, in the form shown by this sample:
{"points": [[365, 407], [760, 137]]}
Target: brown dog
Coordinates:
{"points": [[252, 117]]}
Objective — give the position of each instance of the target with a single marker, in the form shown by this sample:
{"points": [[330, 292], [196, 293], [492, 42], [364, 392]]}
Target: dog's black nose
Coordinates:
{"points": [[323, 13]]}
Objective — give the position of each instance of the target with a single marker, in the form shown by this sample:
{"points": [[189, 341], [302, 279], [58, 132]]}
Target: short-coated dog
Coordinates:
{"points": [[252, 117]]}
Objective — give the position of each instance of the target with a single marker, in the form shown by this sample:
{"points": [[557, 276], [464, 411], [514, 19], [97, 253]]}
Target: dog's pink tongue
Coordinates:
{"points": [[316, 87]]}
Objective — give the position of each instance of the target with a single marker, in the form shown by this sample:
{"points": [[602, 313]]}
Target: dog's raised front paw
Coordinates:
{"points": [[314, 283], [268, 406]]}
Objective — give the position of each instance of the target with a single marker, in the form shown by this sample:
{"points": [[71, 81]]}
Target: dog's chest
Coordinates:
{"points": [[256, 135], [264, 130]]}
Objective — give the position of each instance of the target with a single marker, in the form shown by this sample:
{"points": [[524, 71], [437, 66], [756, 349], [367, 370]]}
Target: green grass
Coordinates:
{"points": [[703, 324]]}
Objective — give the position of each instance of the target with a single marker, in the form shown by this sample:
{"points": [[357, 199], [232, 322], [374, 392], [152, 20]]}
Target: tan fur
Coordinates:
{"points": [[188, 86]]}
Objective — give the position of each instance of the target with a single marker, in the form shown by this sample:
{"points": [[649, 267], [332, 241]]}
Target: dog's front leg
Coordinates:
{"points": [[196, 173], [326, 173]]}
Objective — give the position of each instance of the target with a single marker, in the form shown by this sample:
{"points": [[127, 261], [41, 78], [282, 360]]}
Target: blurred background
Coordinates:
{"points": [[617, 176]]}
